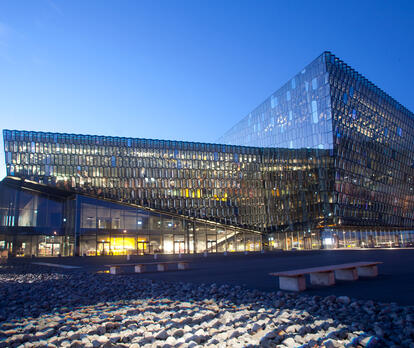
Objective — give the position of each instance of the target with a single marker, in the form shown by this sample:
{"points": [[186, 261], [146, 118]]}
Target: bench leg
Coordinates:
{"points": [[182, 266], [368, 271], [115, 270], [322, 278], [346, 274], [292, 283], [139, 268], [161, 267]]}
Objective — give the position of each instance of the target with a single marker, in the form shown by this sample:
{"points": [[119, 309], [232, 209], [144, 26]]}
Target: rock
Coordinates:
{"points": [[378, 331], [109, 345], [343, 299], [171, 341], [234, 334], [102, 339], [98, 310], [289, 342], [178, 333], [331, 298], [76, 344], [369, 341], [95, 343], [162, 335], [292, 328], [74, 337], [255, 327]]}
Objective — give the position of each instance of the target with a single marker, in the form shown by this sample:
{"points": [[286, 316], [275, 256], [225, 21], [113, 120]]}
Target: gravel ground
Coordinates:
{"points": [[42, 308]]}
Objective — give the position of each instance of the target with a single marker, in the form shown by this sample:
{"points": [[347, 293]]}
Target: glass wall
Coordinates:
{"points": [[296, 116], [326, 161], [374, 164], [112, 229], [348, 238], [208, 181], [361, 142], [245, 187], [32, 223]]}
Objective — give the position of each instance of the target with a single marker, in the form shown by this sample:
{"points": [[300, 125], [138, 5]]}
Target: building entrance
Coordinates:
{"points": [[212, 246], [102, 248], [142, 247], [48, 249], [179, 247], [48, 246]]}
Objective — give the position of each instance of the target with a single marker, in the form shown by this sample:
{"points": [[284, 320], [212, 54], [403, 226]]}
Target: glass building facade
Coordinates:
{"points": [[326, 161], [215, 182], [40, 220], [370, 137], [296, 116]]}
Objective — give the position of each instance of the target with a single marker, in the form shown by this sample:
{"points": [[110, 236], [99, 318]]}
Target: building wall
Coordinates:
{"points": [[374, 157], [301, 198], [110, 228], [33, 223], [215, 182], [326, 157], [35, 220], [369, 179], [296, 116], [254, 188], [296, 122]]}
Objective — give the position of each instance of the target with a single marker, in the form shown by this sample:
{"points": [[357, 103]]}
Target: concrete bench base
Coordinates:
{"points": [[294, 280], [115, 270], [368, 271], [292, 283], [322, 278], [182, 266], [161, 267], [139, 268], [346, 274]]}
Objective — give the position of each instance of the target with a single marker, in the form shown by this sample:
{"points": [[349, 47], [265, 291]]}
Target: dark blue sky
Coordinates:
{"points": [[185, 70]]}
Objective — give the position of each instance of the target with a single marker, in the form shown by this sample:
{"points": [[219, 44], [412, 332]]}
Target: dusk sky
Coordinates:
{"points": [[183, 70]]}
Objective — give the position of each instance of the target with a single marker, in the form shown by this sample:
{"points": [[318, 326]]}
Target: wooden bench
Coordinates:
{"points": [[142, 267], [295, 280]]}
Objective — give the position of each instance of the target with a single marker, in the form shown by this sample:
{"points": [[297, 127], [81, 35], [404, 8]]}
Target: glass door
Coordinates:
{"points": [[212, 246], [103, 248], [179, 247], [142, 247]]}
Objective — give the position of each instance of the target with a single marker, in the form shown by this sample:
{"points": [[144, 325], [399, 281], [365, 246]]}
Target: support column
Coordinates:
{"points": [[182, 265], [346, 274], [139, 268], [323, 278], [77, 225], [368, 271], [292, 283], [161, 267]]}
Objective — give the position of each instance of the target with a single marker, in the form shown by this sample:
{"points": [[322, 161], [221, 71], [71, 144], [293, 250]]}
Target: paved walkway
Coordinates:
{"points": [[55, 265], [395, 282]]}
